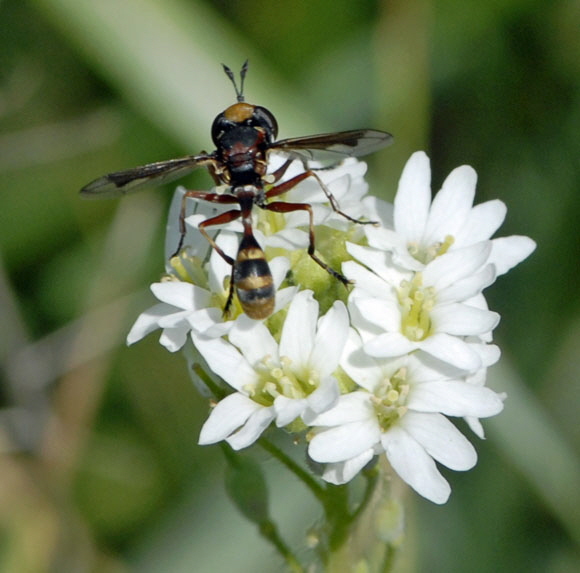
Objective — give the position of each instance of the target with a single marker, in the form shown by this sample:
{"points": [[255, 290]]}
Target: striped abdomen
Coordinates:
{"points": [[253, 280]]}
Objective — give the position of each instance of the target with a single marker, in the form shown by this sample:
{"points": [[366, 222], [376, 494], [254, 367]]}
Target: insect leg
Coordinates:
{"points": [[221, 219], [216, 173], [283, 207], [287, 185], [275, 176], [223, 198]]}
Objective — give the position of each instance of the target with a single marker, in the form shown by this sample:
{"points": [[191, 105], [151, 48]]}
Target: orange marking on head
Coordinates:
{"points": [[239, 112]]}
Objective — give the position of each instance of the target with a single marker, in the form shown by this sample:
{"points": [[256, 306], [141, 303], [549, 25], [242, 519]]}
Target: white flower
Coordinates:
{"points": [[400, 411], [422, 230], [398, 312], [490, 354], [274, 382], [346, 183], [178, 301], [186, 306], [290, 231]]}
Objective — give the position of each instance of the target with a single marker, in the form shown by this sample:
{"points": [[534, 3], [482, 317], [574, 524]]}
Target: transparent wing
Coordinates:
{"points": [[333, 146], [150, 175]]}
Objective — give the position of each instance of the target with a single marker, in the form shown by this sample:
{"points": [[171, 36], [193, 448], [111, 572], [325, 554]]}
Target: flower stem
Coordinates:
{"points": [[337, 515], [372, 477], [247, 488], [389, 559], [310, 482], [269, 531]]}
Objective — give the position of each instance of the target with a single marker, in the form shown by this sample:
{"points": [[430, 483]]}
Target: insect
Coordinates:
{"points": [[244, 134]]}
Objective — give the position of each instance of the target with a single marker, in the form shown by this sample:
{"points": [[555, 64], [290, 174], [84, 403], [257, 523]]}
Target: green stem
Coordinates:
{"points": [[199, 371], [247, 488], [337, 515], [389, 559], [269, 531], [372, 477], [310, 482]]}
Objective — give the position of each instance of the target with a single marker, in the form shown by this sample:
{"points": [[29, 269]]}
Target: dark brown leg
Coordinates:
{"points": [[282, 207], [226, 217], [287, 185], [277, 175], [221, 219], [223, 198]]}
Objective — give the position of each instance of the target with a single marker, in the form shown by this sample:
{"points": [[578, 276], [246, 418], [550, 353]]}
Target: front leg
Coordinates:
{"points": [[222, 219], [223, 198]]}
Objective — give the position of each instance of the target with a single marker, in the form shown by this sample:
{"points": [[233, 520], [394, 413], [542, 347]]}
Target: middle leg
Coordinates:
{"points": [[283, 207]]}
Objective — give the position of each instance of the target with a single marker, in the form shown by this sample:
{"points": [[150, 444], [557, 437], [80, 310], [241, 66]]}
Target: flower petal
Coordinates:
{"points": [[208, 322], [180, 294], [344, 442], [467, 287], [475, 426], [451, 205], [454, 398], [507, 252], [219, 269], [148, 321], [388, 240], [413, 198], [363, 369], [353, 407], [365, 280], [481, 223], [379, 262], [288, 409], [279, 266], [386, 314], [289, 239], [284, 297], [225, 360], [329, 340], [379, 210], [226, 417], [463, 320], [452, 350], [441, 440], [253, 339], [299, 329], [322, 399], [174, 338], [456, 265], [342, 472], [415, 466], [391, 344], [252, 429]]}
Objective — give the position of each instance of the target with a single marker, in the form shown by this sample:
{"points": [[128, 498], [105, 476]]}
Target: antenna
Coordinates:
{"points": [[230, 74]]}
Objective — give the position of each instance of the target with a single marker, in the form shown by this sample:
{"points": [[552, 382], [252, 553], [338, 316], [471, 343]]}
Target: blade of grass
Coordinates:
{"points": [[534, 444], [165, 58]]}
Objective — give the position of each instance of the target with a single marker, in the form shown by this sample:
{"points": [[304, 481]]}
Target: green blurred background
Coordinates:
{"points": [[100, 471]]}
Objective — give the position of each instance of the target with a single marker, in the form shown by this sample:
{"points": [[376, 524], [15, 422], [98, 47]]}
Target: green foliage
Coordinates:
{"points": [[106, 454]]}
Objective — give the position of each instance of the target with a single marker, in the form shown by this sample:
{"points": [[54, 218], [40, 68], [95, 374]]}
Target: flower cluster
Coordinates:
{"points": [[381, 368]]}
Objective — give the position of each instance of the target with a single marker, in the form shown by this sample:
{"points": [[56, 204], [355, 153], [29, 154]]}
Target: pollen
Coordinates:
{"points": [[276, 378], [389, 399], [277, 373], [416, 304], [187, 268], [426, 253]]}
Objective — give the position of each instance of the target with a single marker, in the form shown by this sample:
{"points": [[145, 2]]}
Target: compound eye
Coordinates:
{"points": [[220, 126], [265, 119]]}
